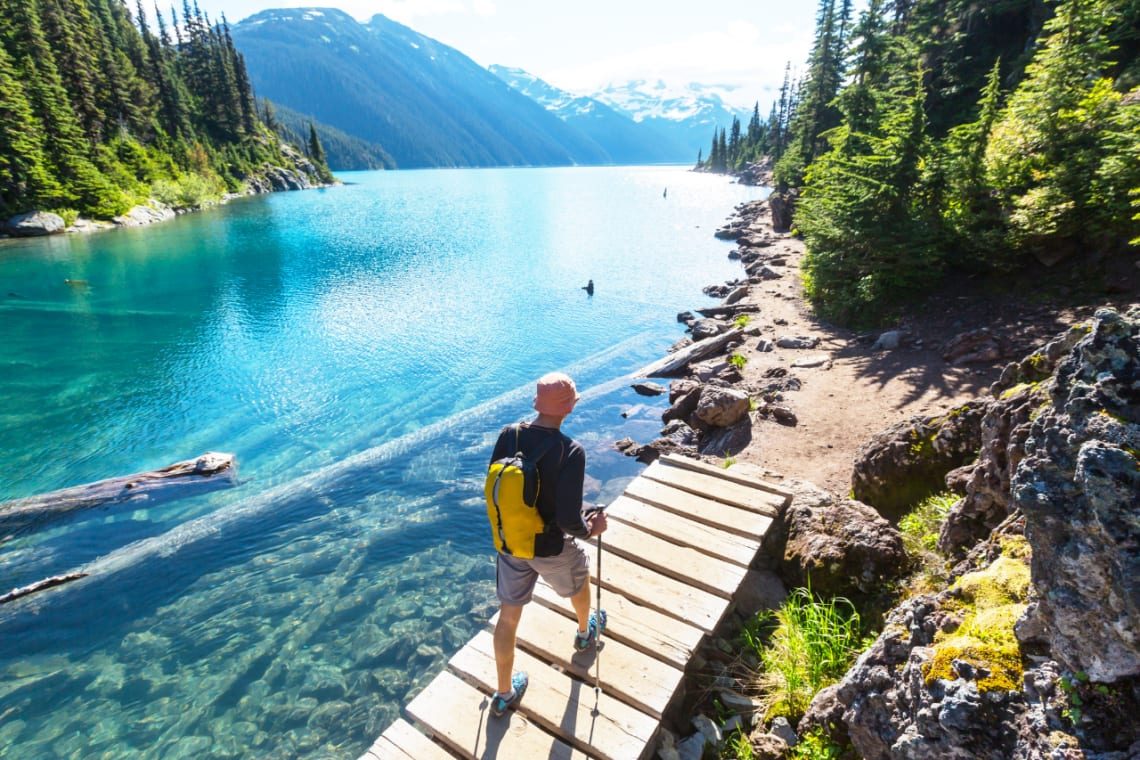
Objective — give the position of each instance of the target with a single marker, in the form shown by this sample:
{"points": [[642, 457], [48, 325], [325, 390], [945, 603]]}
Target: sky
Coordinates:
{"points": [[581, 45]]}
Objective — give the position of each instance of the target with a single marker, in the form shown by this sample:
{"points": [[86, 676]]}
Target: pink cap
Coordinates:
{"points": [[556, 395]]}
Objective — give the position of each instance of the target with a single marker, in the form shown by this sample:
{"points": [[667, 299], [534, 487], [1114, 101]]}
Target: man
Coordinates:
{"points": [[558, 557]]}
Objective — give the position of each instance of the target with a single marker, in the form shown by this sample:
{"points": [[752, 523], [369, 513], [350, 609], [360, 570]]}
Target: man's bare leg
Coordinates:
{"points": [[505, 630], [581, 604]]}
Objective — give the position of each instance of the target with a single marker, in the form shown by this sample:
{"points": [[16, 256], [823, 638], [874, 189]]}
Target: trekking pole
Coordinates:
{"points": [[598, 640]]}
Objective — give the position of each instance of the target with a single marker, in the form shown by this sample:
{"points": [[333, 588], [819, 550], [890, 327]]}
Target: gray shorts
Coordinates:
{"points": [[566, 574]]}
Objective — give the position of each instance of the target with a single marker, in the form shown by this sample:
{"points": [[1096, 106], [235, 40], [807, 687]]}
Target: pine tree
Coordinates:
{"points": [[868, 229], [816, 114], [1062, 155], [968, 209], [23, 165]]}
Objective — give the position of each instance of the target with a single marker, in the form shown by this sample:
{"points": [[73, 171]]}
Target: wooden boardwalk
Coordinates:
{"points": [[679, 543]]}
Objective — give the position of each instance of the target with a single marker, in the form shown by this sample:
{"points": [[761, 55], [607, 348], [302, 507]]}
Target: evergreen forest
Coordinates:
{"points": [[100, 110], [932, 137]]}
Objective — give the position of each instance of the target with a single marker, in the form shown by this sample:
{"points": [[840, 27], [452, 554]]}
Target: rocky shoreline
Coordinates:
{"points": [[884, 418]]}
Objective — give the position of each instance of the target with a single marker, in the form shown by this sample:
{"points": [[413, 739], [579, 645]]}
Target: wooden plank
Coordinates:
{"points": [[401, 741], [636, 678], [459, 715], [673, 527], [646, 630], [683, 563], [741, 472], [563, 705], [716, 488], [659, 592], [721, 516]]}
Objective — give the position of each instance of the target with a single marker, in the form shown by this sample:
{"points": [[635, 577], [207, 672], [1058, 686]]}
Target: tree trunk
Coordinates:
{"points": [[674, 362]]}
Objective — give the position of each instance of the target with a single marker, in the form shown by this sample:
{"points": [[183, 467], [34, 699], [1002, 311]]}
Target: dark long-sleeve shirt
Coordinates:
{"points": [[561, 473]]}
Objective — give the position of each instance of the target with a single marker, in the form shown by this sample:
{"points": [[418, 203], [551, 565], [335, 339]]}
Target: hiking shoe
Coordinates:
{"points": [[500, 705], [594, 629]]}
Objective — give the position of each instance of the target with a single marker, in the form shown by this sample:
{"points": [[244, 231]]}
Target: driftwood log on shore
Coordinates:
{"points": [[204, 473], [678, 360], [734, 310]]}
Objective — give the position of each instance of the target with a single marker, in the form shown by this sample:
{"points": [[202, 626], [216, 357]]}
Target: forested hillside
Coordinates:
{"points": [[99, 111], [425, 103], [343, 152], [931, 137]]}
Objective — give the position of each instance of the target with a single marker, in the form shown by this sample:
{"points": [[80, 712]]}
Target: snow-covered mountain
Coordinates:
{"points": [[690, 112], [626, 139]]}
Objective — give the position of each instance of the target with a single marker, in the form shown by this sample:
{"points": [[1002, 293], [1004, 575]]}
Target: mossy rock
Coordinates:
{"points": [[992, 599]]}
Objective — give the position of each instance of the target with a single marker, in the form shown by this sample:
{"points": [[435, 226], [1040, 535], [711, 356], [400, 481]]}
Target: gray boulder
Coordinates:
{"points": [[781, 205], [648, 388], [909, 460], [974, 347], [842, 547], [139, 216], [684, 403], [726, 441], [708, 328], [34, 224], [1079, 489], [797, 341], [721, 407]]}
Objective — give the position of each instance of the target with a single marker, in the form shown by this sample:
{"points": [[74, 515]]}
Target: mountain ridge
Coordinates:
{"points": [[425, 103]]}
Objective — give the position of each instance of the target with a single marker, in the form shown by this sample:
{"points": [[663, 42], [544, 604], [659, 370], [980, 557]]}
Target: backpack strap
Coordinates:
{"points": [[543, 449]]}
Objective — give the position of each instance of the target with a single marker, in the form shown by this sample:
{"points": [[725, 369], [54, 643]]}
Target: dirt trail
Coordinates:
{"points": [[861, 389]]}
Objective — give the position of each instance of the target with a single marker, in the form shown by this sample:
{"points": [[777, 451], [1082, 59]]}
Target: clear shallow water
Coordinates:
{"points": [[357, 348]]}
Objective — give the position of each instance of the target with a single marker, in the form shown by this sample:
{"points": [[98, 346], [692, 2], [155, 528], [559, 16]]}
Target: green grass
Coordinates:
{"points": [[919, 529], [813, 644]]}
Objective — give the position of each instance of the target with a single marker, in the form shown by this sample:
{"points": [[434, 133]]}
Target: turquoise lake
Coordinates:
{"points": [[357, 348]]}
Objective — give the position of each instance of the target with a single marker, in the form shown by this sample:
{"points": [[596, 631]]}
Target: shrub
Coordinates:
{"points": [[188, 191]]}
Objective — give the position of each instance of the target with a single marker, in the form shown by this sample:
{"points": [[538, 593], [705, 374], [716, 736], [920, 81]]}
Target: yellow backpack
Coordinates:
{"points": [[511, 490]]}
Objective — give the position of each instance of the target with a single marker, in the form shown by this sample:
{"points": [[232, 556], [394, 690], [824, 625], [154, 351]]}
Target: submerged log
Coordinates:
{"points": [[205, 473], [675, 362], [46, 583]]}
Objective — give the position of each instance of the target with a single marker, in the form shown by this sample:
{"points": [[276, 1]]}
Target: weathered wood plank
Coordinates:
{"points": [[741, 472], [674, 527], [459, 715], [636, 678], [683, 563], [659, 592], [677, 360], [563, 705], [716, 488], [646, 630], [401, 741], [742, 522]]}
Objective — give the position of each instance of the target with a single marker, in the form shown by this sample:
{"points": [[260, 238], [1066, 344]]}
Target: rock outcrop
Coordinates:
{"points": [[34, 224], [1034, 650], [151, 213], [909, 461], [838, 547], [985, 483], [1079, 489]]}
